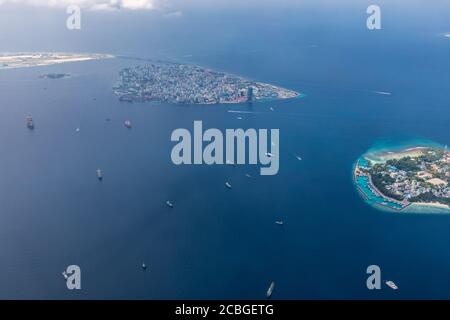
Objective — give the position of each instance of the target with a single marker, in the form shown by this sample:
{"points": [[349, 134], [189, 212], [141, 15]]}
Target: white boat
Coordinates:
{"points": [[239, 118], [228, 185], [128, 124], [271, 109], [99, 174], [299, 158], [169, 204], [77, 130], [383, 93], [391, 285], [270, 290], [248, 175], [30, 123], [279, 222], [269, 154], [144, 266], [65, 275]]}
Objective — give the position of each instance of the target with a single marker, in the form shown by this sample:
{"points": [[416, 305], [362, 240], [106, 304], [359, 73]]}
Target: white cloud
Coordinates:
{"points": [[92, 4]]}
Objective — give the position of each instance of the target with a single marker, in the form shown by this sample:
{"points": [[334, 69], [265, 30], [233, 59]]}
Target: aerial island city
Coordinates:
{"points": [[191, 84], [396, 180]]}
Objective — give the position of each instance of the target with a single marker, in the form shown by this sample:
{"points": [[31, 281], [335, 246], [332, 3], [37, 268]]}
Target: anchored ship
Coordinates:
{"points": [[30, 123], [99, 174]]}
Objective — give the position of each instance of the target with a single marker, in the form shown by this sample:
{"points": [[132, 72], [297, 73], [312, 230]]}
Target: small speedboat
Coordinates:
{"points": [[270, 155], [169, 204], [279, 222], [270, 290], [228, 185], [128, 124], [391, 285], [299, 158], [65, 275], [248, 175], [144, 266], [77, 130], [271, 109]]}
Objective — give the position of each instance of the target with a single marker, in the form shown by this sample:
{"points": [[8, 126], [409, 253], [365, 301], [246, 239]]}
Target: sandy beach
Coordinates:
{"points": [[432, 204], [410, 152]]}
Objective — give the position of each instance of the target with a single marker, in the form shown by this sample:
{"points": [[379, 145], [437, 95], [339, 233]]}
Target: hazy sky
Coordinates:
{"points": [[122, 25]]}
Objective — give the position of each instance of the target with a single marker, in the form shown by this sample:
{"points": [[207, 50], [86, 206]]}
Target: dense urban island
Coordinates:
{"points": [[416, 176], [191, 84]]}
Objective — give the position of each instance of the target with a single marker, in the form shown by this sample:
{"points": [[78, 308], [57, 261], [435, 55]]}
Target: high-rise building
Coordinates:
{"points": [[250, 94]]}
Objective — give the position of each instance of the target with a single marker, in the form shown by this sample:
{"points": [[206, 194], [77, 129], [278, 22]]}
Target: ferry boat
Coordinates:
{"points": [[228, 185], [391, 285], [169, 204], [279, 222], [30, 123], [128, 124], [270, 290], [99, 174]]}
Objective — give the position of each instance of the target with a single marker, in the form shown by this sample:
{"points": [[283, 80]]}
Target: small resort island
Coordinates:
{"points": [[191, 84], [36, 59], [407, 179]]}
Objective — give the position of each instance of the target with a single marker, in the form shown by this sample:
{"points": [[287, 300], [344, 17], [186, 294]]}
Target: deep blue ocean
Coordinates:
{"points": [[218, 243]]}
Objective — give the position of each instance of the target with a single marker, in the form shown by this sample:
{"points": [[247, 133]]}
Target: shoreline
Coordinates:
{"points": [[431, 204], [298, 96], [383, 156]]}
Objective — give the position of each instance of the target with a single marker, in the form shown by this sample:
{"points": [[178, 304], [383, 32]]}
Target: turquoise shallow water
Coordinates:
{"points": [[397, 144]]}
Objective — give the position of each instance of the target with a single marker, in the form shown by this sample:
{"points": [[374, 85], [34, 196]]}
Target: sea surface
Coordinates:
{"points": [[218, 243]]}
